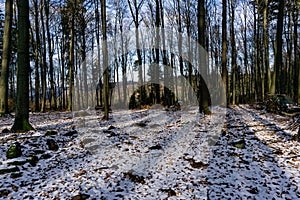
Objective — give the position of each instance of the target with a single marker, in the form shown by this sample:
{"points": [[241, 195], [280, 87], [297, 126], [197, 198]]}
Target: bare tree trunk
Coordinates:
{"points": [[105, 61], [179, 24], [6, 57], [266, 46], [256, 85], [72, 59], [63, 105], [21, 123], [135, 16], [156, 66], [99, 70], [58, 78], [246, 78], [233, 53], [85, 102], [169, 100], [50, 54], [204, 93], [13, 68], [37, 57], [276, 87], [117, 57], [43, 63], [123, 60], [224, 47], [295, 16], [289, 60]]}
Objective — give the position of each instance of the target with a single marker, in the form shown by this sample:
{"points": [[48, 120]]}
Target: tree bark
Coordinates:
{"points": [[296, 55], [105, 61], [157, 43], [83, 25], [233, 53], [6, 57], [224, 47], [50, 54], [43, 62], [266, 46], [204, 93], [21, 123], [179, 24], [276, 85], [134, 10], [37, 57], [71, 57]]}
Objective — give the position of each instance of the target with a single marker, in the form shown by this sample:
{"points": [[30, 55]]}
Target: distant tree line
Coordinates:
{"points": [[253, 45]]}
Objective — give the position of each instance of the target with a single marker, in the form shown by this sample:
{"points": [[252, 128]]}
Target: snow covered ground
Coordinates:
{"points": [[236, 153]]}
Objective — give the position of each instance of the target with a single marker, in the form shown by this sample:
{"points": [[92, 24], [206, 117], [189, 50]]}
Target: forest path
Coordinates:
{"points": [[255, 158]]}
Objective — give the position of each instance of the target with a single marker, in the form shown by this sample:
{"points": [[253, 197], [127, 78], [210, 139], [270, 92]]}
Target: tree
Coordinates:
{"points": [[37, 55], [6, 57], [73, 7], [275, 87], [296, 63], [43, 60], [21, 123], [233, 52], [83, 26], [157, 43], [169, 99], [50, 53], [135, 8], [204, 93], [224, 46], [105, 61], [266, 44]]}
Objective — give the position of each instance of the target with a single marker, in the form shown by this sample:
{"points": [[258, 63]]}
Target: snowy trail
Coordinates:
{"points": [[253, 170], [154, 154]]}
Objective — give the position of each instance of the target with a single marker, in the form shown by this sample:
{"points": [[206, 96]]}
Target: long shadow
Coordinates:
{"points": [[250, 170], [140, 167], [240, 165], [278, 130]]}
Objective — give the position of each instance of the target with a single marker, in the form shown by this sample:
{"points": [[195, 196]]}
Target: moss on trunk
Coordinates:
{"points": [[21, 125]]}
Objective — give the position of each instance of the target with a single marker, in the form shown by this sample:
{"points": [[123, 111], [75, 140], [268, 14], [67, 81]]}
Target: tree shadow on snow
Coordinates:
{"points": [[242, 166]]}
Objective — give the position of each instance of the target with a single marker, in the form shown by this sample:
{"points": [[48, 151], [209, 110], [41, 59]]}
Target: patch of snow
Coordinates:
{"points": [[156, 154]]}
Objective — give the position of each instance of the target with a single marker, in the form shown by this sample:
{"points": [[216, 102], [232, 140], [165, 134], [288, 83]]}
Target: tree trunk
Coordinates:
{"points": [[204, 93], [180, 47], [63, 95], [43, 63], [98, 66], [296, 55], [72, 59], [85, 102], [37, 57], [246, 78], [105, 61], [256, 85], [117, 62], [266, 47], [157, 43], [135, 17], [6, 57], [224, 47], [21, 123], [123, 60], [233, 54], [169, 100], [50, 54], [276, 85]]}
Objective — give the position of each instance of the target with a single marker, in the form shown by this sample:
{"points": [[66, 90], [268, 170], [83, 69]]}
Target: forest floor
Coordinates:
{"points": [[235, 153]]}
